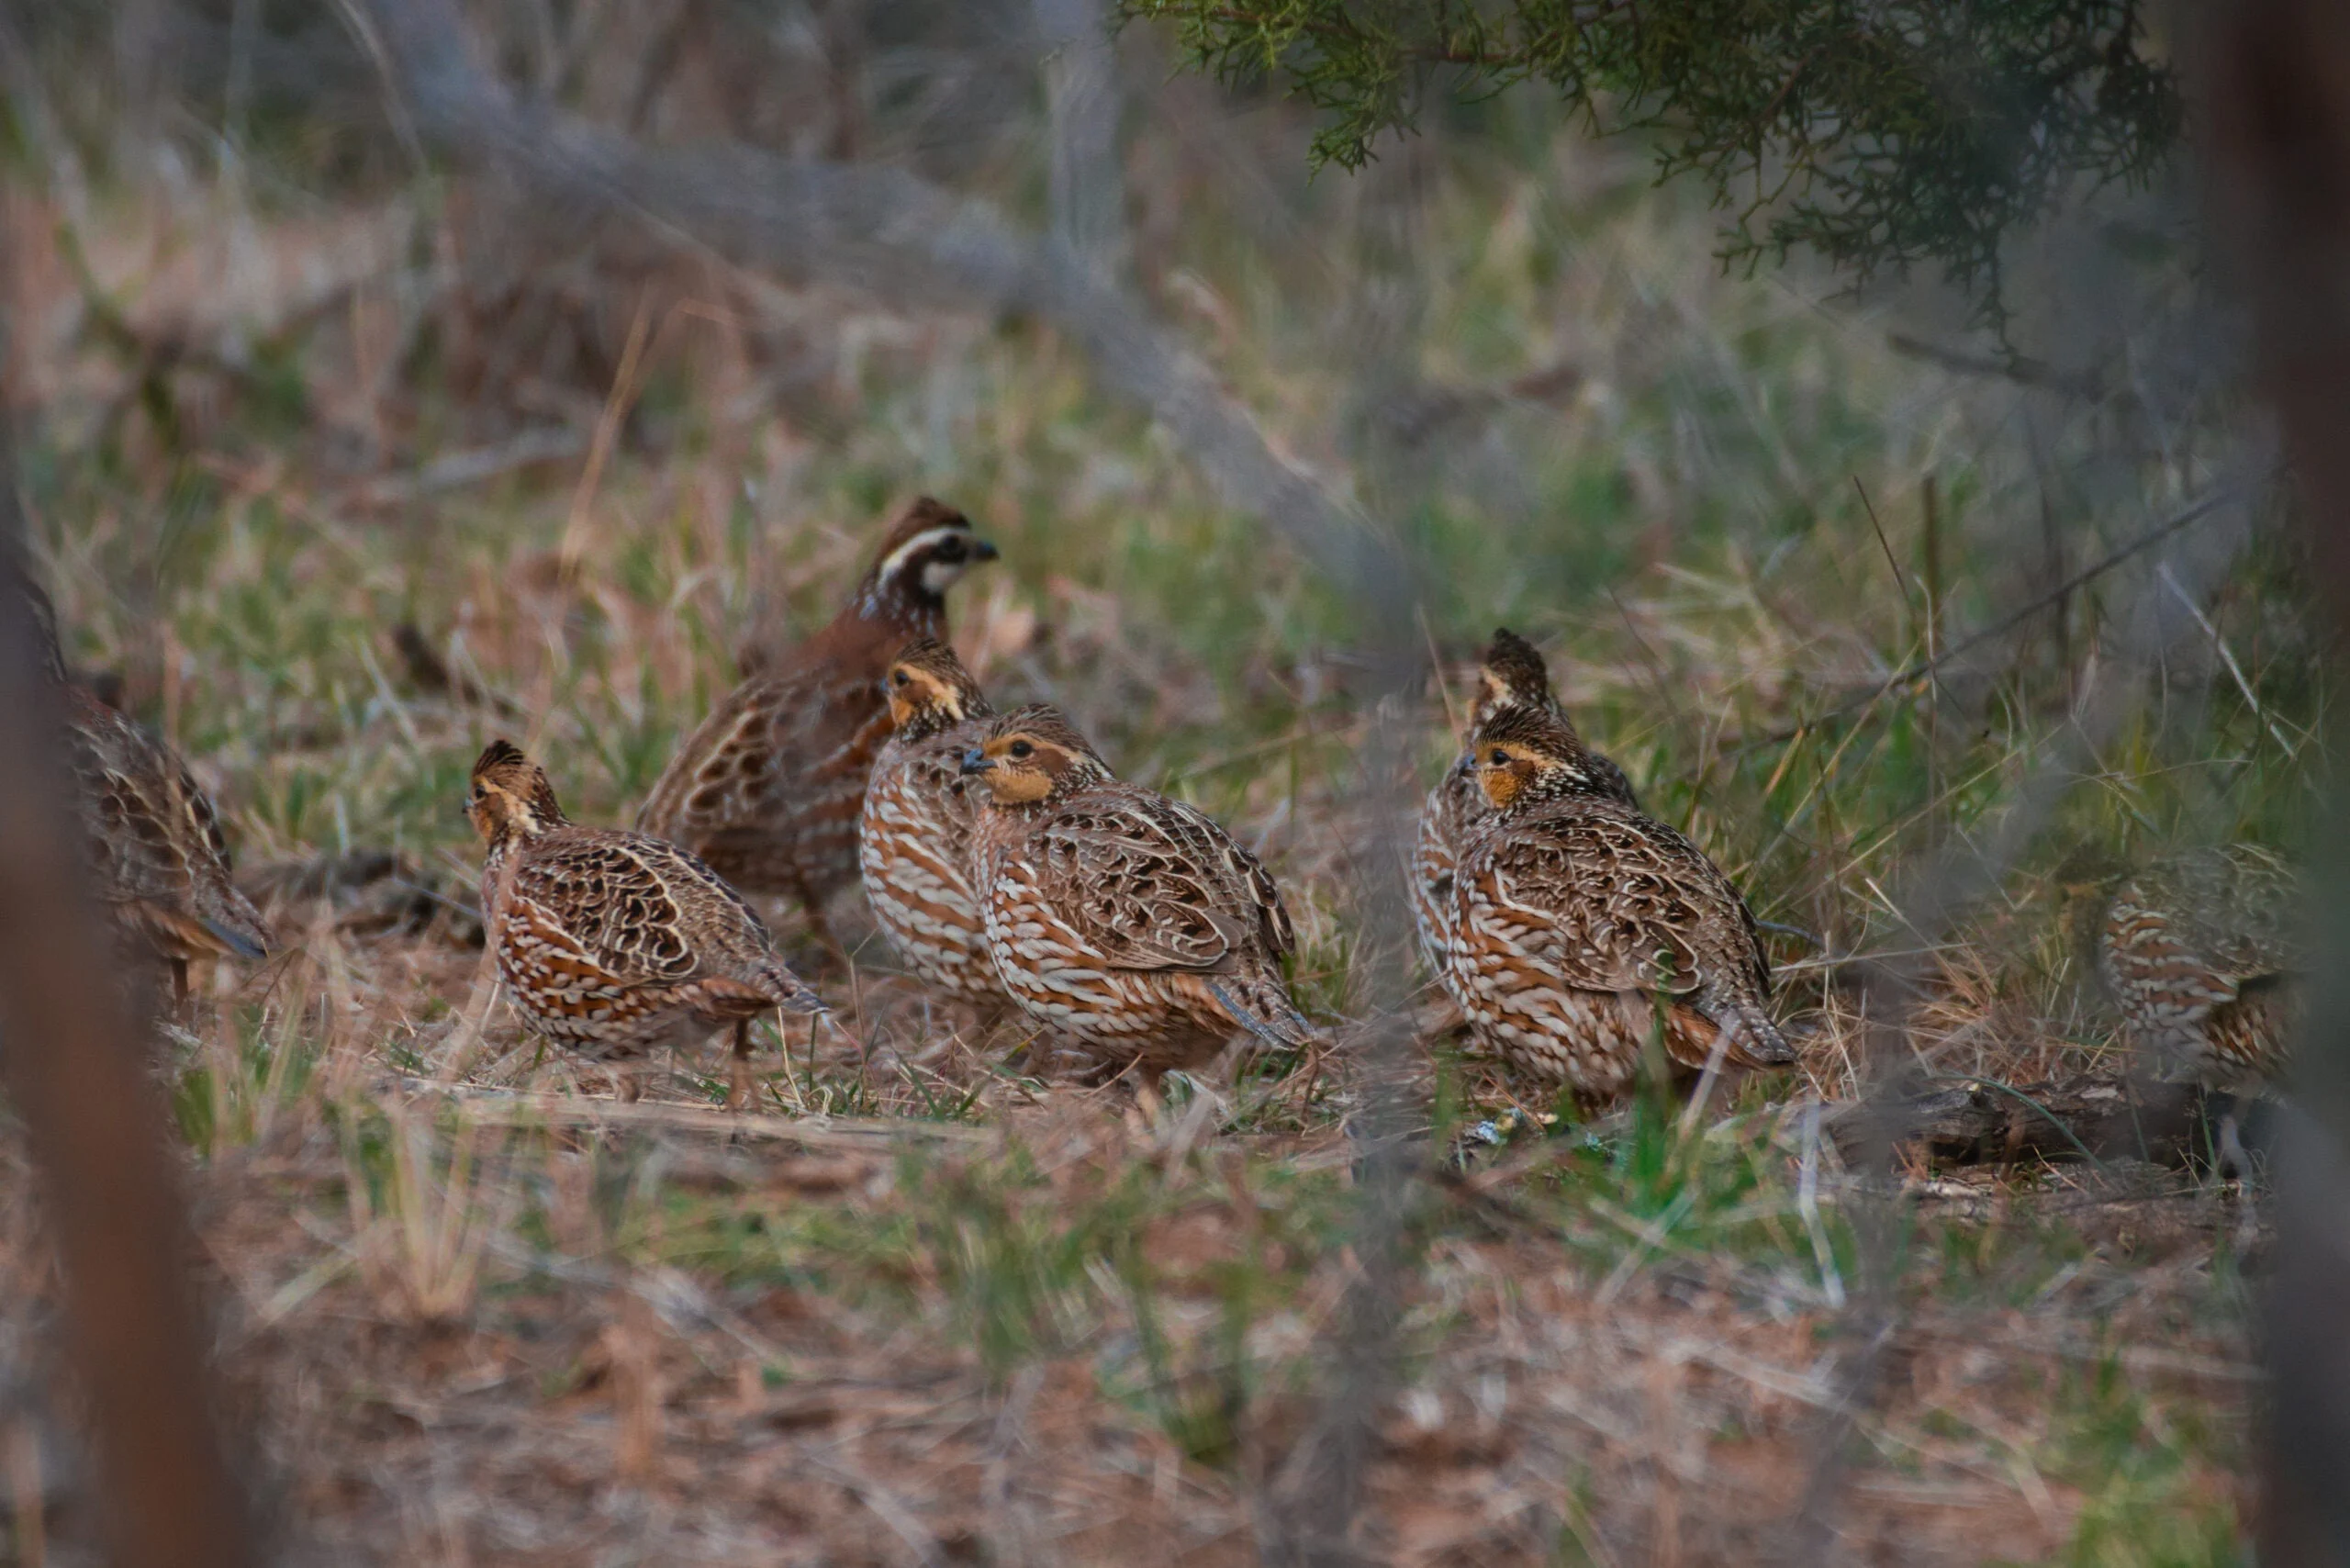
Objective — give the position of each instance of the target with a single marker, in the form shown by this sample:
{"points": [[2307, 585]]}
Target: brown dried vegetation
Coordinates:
{"points": [[930, 1302]]}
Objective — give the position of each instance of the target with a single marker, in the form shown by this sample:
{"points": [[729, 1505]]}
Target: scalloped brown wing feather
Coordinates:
{"points": [[157, 850], [767, 789], [616, 942], [1589, 896], [2202, 953], [641, 910], [1151, 883], [1136, 923]]}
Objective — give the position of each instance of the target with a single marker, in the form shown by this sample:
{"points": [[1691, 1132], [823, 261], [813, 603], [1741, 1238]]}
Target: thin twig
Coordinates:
{"points": [[2227, 658], [1927, 669], [1882, 543]]}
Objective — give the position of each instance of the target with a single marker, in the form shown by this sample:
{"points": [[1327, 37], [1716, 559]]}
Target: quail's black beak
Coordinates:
{"points": [[1466, 765], [984, 550], [977, 761]]}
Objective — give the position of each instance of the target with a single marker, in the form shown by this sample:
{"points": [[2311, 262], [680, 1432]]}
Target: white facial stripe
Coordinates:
{"points": [[929, 691], [940, 576], [928, 538]]}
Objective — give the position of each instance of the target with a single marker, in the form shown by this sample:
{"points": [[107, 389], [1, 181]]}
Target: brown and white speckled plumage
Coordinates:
{"points": [[769, 789], [2201, 954], [616, 944], [914, 838], [1123, 918], [1511, 674], [157, 856], [1578, 923]]}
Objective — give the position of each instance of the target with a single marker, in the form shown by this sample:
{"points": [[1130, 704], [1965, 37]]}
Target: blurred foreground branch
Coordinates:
{"points": [[2278, 79], [73, 1063], [882, 231]]}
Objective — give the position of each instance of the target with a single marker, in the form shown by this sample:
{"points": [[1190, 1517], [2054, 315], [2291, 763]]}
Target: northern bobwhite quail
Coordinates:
{"points": [[1512, 674], [158, 859], [1116, 915], [1578, 923], [2201, 954], [615, 943], [914, 838], [769, 789]]}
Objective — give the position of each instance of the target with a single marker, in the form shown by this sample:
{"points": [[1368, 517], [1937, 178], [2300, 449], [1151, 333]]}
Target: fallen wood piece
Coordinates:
{"points": [[1978, 1121], [519, 1107]]}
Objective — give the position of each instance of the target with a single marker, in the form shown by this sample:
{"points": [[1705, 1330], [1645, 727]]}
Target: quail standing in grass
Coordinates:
{"points": [[2201, 953], [1512, 675], [158, 859], [616, 944], [1126, 920], [1581, 925], [769, 789], [914, 838]]}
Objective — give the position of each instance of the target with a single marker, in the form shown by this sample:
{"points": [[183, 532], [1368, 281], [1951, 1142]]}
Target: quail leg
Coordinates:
{"points": [[1311, 1076], [1036, 1053], [1148, 1100], [738, 1082], [2233, 1162]]}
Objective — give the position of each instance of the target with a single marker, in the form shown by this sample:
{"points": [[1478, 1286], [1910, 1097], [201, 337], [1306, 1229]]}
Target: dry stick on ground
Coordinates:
{"points": [[2278, 78], [74, 1065], [892, 235]]}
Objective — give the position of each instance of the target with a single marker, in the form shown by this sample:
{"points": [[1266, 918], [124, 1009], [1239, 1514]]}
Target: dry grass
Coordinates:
{"points": [[922, 1307]]}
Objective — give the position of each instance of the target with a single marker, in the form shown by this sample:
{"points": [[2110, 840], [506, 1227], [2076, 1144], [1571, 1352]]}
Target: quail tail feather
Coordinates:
{"points": [[1264, 1011], [238, 924], [789, 991], [1755, 1040]]}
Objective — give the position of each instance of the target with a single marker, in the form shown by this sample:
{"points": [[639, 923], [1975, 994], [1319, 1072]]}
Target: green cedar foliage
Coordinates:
{"points": [[1878, 132]]}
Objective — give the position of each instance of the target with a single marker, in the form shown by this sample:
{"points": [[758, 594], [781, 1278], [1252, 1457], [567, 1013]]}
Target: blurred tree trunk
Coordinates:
{"points": [[1088, 184], [74, 1065], [2277, 85]]}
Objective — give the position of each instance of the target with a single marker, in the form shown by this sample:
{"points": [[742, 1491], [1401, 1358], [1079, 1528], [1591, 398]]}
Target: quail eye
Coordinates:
{"points": [[1498, 756], [949, 550], [1022, 749], [900, 677]]}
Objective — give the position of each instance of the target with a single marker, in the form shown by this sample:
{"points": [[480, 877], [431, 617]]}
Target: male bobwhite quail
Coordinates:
{"points": [[1511, 674], [1116, 915], [2201, 954], [157, 856], [1578, 924], [914, 838], [615, 943], [767, 791]]}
